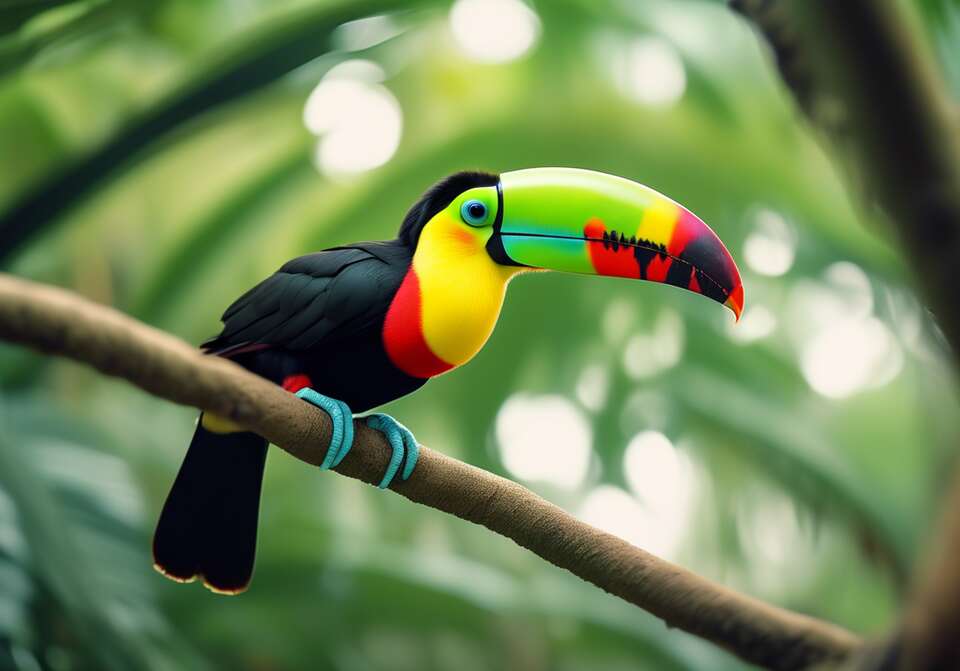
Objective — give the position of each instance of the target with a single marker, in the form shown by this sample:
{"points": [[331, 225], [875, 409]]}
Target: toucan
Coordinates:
{"points": [[353, 327]]}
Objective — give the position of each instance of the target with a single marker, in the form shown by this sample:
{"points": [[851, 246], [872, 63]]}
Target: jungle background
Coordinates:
{"points": [[159, 157]]}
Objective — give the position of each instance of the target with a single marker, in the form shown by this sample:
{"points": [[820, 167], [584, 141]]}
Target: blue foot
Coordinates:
{"points": [[402, 442], [341, 417]]}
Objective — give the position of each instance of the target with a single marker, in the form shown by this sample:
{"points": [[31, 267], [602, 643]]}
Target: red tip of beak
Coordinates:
{"points": [[735, 301]]}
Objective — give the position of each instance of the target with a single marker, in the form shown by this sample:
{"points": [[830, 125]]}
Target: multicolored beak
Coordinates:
{"points": [[582, 221]]}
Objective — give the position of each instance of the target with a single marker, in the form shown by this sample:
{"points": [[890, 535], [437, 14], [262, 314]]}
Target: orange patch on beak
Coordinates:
{"points": [[735, 301]]}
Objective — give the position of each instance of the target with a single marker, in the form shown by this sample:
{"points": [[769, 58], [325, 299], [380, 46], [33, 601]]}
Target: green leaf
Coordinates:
{"points": [[14, 13], [795, 453], [73, 510], [252, 62]]}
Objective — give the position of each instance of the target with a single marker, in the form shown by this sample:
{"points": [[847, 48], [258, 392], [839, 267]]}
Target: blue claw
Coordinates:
{"points": [[341, 439], [347, 442], [402, 442]]}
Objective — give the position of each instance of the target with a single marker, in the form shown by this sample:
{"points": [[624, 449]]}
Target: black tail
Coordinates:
{"points": [[208, 526]]}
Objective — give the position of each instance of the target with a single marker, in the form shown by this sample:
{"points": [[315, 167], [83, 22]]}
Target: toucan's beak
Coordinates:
{"points": [[588, 222]]}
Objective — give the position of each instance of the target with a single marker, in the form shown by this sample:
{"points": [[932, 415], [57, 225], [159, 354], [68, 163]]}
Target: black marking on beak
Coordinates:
{"points": [[618, 241], [495, 243]]}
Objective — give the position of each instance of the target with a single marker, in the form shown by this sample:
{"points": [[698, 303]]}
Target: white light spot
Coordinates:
{"points": [[654, 470], [544, 439], [664, 481], [756, 323], [771, 248], [648, 354], [650, 71], [494, 31], [850, 356], [814, 306], [359, 121], [853, 287], [592, 387]]}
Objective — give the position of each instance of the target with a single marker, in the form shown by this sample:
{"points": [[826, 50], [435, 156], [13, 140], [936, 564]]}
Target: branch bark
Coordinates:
{"points": [[57, 322], [863, 78]]}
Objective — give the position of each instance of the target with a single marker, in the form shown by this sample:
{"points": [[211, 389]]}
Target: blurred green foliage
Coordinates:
{"points": [[155, 158]]}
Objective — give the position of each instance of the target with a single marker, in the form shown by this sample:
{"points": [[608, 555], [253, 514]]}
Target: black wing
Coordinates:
{"points": [[316, 298]]}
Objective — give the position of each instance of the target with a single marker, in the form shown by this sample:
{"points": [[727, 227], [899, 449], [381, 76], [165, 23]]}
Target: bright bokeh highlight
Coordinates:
{"points": [[851, 356], [357, 120], [494, 31], [544, 439], [655, 513], [650, 71], [664, 481], [843, 348], [770, 249]]}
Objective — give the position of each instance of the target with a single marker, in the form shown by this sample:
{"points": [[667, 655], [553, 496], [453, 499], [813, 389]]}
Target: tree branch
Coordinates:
{"points": [[864, 80], [931, 623], [58, 322]]}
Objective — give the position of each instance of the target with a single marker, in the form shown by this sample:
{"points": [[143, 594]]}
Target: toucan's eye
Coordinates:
{"points": [[473, 212]]}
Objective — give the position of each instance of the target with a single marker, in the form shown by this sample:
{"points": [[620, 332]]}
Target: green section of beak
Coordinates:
{"points": [[567, 255], [545, 211], [588, 222]]}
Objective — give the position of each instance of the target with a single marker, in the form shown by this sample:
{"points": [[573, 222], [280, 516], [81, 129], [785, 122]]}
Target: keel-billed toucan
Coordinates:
{"points": [[353, 327]]}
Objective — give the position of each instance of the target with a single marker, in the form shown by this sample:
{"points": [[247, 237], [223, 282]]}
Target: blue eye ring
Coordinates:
{"points": [[474, 212]]}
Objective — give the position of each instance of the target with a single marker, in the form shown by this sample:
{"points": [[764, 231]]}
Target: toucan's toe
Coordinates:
{"points": [[405, 450], [341, 438], [413, 453], [347, 441]]}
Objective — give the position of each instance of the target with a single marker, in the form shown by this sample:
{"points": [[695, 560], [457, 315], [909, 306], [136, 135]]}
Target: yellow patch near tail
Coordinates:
{"points": [[159, 569], [218, 424], [225, 592], [215, 590]]}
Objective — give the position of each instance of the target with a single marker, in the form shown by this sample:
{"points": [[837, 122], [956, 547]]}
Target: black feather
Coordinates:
{"points": [[317, 298], [208, 526]]}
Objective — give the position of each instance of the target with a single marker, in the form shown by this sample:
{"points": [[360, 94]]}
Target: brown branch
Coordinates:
{"points": [[863, 78], [931, 625], [58, 322]]}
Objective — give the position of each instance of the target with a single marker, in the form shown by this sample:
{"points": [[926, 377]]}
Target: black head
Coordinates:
{"points": [[438, 197]]}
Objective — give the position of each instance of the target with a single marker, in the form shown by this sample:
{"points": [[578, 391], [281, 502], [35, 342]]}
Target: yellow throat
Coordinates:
{"points": [[461, 288]]}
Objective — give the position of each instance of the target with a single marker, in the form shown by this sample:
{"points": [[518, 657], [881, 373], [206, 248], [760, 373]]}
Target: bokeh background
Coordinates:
{"points": [[796, 455]]}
